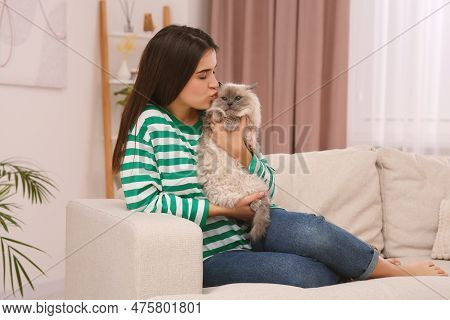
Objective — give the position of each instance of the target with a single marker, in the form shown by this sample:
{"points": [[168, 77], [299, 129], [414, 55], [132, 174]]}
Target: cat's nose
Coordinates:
{"points": [[229, 103]]}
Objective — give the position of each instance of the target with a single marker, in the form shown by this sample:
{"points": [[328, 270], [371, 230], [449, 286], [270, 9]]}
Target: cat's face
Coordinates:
{"points": [[233, 98]]}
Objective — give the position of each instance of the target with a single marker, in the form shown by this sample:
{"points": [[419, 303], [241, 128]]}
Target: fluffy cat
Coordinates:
{"points": [[224, 180]]}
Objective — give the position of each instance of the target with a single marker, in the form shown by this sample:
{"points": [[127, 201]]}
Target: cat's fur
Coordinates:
{"points": [[225, 181]]}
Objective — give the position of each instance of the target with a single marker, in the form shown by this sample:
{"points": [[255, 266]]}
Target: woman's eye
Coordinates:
{"points": [[237, 98], [224, 98]]}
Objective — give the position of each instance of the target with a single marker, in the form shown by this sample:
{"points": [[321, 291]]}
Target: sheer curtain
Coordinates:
{"points": [[399, 96]]}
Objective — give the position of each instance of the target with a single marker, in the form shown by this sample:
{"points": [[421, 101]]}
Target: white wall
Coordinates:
{"points": [[60, 130]]}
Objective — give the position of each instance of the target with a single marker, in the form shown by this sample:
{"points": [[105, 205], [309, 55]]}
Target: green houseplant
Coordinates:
{"points": [[35, 187], [123, 92]]}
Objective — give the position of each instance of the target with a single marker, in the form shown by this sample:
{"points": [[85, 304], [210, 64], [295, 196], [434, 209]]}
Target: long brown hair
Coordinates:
{"points": [[167, 63]]}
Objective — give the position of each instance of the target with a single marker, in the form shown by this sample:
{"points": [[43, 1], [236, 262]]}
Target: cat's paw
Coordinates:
{"points": [[231, 124], [217, 117]]}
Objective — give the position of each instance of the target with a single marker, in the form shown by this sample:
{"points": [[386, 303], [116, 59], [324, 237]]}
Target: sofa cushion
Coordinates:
{"points": [[412, 188], [404, 288], [340, 184], [441, 246]]}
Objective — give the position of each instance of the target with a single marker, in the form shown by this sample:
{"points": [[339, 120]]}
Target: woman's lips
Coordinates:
{"points": [[214, 96]]}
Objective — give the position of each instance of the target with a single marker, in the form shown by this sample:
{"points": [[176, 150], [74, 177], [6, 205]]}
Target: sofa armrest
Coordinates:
{"points": [[113, 253]]}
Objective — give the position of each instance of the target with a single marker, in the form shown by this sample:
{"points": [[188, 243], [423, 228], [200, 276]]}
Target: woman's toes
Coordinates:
{"points": [[440, 271]]}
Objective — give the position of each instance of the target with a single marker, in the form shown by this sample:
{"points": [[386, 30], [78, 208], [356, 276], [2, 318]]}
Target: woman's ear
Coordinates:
{"points": [[251, 86]]}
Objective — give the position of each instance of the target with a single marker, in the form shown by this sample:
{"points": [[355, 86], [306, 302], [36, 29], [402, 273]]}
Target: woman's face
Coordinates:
{"points": [[201, 88]]}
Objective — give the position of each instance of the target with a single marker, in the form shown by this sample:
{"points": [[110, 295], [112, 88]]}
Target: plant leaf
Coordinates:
{"points": [[28, 259], [17, 266], [36, 187], [4, 264], [19, 279], [7, 205], [24, 244], [5, 188], [10, 272], [25, 274], [10, 218], [33, 182], [2, 222]]}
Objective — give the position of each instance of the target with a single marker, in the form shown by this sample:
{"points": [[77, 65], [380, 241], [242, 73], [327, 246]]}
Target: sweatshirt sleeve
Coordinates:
{"points": [[143, 190], [262, 169]]}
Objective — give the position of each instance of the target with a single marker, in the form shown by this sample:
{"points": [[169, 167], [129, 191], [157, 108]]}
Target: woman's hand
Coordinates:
{"points": [[242, 210], [232, 142]]}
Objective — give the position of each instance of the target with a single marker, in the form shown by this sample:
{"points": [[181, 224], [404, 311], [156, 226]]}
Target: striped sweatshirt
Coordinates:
{"points": [[159, 175]]}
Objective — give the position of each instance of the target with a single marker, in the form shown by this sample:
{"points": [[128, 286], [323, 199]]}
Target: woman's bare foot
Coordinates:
{"points": [[387, 268], [394, 261], [422, 268]]}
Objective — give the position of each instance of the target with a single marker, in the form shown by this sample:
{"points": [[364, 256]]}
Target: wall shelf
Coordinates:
{"points": [[121, 82], [108, 83]]}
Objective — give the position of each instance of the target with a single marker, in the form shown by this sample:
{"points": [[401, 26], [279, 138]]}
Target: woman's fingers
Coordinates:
{"points": [[245, 201], [218, 126], [253, 197], [243, 123]]}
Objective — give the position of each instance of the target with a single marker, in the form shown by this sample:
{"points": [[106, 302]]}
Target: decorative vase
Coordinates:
{"points": [[148, 23], [133, 73], [166, 16], [128, 28], [124, 71]]}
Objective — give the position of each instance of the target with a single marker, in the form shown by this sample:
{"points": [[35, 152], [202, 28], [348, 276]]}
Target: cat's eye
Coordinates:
{"points": [[237, 98], [224, 98]]}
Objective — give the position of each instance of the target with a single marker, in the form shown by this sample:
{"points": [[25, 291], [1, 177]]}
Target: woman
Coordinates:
{"points": [[156, 156]]}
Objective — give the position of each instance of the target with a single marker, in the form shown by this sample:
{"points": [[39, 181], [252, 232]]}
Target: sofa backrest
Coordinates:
{"points": [[413, 187], [386, 197], [340, 184]]}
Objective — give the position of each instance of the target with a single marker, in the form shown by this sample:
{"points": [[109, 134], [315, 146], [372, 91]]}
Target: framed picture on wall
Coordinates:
{"points": [[32, 43]]}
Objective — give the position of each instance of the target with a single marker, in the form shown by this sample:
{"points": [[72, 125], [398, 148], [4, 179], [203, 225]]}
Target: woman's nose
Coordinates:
{"points": [[215, 84]]}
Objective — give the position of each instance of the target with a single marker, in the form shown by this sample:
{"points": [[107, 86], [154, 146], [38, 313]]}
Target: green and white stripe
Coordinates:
{"points": [[159, 174]]}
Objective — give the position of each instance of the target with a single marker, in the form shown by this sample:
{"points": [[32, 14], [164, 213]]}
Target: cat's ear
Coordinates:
{"points": [[251, 86]]}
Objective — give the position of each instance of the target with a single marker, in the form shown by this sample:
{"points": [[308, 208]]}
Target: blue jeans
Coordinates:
{"points": [[299, 249]]}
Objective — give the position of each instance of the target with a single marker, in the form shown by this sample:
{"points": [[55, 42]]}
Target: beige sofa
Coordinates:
{"points": [[393, 200]]}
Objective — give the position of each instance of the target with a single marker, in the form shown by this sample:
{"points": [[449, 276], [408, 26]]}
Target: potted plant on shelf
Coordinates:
{"points": [[123, 92], [35, 187]]}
